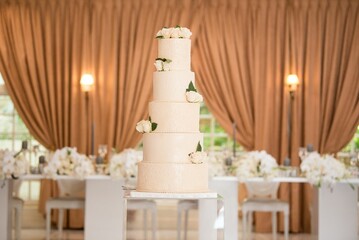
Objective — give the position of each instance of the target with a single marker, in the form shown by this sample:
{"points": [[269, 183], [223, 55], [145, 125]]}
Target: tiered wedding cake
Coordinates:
{"points": [[173, 160]]}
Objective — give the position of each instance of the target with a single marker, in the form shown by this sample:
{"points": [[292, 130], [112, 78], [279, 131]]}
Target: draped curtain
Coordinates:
{"points": [[242, 56], [47, 45], [242, 52]]}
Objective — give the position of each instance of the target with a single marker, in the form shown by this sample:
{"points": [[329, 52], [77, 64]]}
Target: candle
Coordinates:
{"points": [[24, 145], [234, 139], [92, 139]]}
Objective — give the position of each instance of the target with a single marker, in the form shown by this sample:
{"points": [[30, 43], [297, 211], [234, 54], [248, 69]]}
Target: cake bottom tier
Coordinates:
{"points": [[172, 177]]}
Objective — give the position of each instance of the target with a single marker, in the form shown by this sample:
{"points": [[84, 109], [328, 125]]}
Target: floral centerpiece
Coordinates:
{"points": [[67, 161], [323, 170], [12, 165], [257, 164], [124, 164]]}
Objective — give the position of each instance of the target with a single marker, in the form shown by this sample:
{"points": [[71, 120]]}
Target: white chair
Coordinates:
{"points": [[71, 197], [17, 205], [145, 205], [262, 197], [184, 206]]}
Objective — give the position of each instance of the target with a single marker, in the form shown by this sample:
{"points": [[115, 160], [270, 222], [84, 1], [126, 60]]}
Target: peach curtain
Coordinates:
{"points": [[45, 47], [242, 56], [242, 52]]}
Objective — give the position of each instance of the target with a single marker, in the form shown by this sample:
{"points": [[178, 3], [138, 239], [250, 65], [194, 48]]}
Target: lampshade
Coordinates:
{"points": [[292, 82], [86, 82]]}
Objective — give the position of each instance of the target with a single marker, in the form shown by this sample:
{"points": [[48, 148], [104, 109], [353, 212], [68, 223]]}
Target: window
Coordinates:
{"points": [[215, 138], [12, 132]]}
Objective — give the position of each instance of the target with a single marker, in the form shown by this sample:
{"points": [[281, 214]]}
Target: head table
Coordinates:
{"points": [[334, 214]]}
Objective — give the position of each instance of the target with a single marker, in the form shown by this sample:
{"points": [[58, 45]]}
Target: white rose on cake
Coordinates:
{"points": [[163, 64], [158, 65], [164, 33], [175, 32], [193, 97], [184, 33], [198, 157], [144, 126]]}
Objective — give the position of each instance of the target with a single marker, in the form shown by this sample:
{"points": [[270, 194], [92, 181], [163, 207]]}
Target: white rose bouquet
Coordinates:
{"points": [[198, 156], [12, 167], [146, 126], [323, 170], [174, 32], [124, 164], [215, 166], [163, 64], [67, 161], [192, 95], [257, 164]]}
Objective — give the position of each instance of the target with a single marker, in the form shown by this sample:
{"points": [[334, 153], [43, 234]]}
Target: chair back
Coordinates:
{"points": [[262, 189], [71, 188]]}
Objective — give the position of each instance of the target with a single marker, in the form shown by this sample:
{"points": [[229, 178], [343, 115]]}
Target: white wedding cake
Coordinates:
{"points": [[173, 161]]}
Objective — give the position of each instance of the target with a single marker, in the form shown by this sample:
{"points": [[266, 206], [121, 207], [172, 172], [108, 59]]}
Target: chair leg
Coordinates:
{"points": [[185, 224], [179, 220], [286, 226], [61, 221], [48, 223], [17, 223], [250, 224], [244, 224], [145, 223], [154, 223], [274, 225]]}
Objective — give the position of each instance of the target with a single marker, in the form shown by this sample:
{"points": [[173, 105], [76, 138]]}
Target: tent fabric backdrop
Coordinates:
{"points": [[242, 52]]}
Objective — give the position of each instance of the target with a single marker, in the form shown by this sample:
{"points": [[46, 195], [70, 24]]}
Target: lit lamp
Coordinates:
{"points": [[292, 82], [87, 82]]}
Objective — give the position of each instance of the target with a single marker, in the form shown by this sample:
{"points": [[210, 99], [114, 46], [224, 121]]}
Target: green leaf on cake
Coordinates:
{"points": [[164, 60], [178, 26], [153, 126], [149, 119], [191, 87], [199, 147], [159, 37]]}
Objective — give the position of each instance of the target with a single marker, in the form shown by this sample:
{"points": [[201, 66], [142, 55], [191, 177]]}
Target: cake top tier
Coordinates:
{"points": [[174, 49]]}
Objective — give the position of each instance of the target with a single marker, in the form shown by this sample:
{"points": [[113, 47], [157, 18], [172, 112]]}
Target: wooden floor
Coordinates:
{"points": [[34, 226]]}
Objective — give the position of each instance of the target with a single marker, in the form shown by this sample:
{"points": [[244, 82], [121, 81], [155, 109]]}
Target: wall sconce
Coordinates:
{"points": [[292, 82], [86, 82]]}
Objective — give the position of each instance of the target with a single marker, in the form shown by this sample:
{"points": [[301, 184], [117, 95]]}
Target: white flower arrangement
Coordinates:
{"points": [[174, 32], [323, 170], [257, 164], [215, 166], [192, 95], [124, 164], [198, 156], [67, 161], [12, 167], [163, 64], [146, 126]]}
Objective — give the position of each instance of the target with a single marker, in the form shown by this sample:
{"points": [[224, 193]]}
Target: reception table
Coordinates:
{"points": [[334, 210]]}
